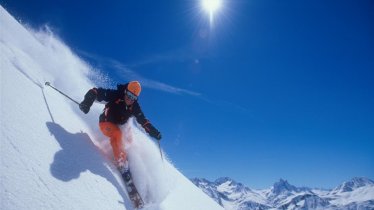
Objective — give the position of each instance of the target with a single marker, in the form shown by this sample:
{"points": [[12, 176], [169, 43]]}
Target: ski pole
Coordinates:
{"points": [[49, 84], [159, 147]]}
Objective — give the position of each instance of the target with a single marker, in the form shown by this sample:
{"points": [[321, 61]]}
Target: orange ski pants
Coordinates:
{"points": [[112, 131]]}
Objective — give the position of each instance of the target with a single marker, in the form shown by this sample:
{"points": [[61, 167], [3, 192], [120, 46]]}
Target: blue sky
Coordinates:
{"points": [[272, 89]]}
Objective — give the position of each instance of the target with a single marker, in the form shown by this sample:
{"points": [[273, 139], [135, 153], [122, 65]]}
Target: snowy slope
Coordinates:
{"points": [[52, 155], [357, 193]]}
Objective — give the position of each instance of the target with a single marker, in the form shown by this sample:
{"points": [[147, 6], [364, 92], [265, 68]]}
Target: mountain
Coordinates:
{"points": [[52, 155], [357, 193], [352, 185]]}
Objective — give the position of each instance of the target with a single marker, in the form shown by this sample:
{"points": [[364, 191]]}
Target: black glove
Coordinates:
{"points": [[84, 107], [153, 132], [158, 137], [89, 98]]}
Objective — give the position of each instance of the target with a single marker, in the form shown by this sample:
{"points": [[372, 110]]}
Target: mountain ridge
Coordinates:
{"points": [[356, 193]]}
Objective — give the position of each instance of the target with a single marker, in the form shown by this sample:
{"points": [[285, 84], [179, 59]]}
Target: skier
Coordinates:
{"points": [[121, 105]]}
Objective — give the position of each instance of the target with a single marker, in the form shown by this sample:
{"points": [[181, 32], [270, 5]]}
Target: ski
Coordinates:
{"points": [[133, 193]]}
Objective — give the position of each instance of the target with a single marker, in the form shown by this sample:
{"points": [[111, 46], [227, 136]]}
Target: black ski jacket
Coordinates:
{"points": [[116, 111]]}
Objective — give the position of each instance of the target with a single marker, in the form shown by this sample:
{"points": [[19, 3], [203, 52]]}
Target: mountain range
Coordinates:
{"points": [[357, 193]]}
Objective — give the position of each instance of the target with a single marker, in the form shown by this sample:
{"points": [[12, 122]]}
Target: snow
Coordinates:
{"points": [[52, 155], [282, 195], [359, 195]]}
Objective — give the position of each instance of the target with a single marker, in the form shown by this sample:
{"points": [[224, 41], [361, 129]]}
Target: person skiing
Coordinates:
{"points": [[122, 104]]}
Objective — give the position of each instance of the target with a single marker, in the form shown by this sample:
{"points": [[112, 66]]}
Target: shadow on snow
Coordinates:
{"points": [[80, 154]]}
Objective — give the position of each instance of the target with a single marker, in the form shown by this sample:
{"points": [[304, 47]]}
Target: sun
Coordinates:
{"points": [[211, 6]]}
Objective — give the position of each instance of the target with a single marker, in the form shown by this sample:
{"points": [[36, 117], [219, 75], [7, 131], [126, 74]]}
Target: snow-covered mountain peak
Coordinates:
{"points": [[353, 184], [283, 186], [228, 185], [222, 180]]}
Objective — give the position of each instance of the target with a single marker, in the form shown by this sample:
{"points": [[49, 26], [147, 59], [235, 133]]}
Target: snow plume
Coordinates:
{"points": [[52, 155], [157, 176], [30, 49]]}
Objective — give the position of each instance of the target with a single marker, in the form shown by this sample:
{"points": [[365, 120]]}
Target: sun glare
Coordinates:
{"points": [[211, 6]]}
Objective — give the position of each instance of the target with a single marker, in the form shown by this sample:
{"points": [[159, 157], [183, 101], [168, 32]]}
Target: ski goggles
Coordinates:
{"points": [[131, 96]]}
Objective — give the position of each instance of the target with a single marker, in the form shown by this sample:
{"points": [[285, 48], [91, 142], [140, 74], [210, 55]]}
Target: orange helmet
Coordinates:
{"points": [[134, 87]]}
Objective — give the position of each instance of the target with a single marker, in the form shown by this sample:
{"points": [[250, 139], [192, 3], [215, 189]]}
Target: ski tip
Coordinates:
{"points": [[47, 83]]}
